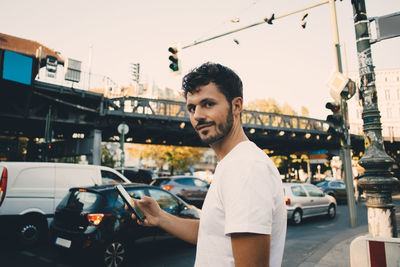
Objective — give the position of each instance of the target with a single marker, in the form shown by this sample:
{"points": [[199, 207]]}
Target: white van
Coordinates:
{"points": [[30, 192]]}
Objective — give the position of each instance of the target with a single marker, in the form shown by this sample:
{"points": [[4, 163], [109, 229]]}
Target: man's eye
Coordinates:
{"points": [[191, 109], [209, 104]]}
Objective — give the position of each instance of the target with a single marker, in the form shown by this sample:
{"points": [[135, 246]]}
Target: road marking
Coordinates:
{"points": [[27, 253], [45, 259], [325, 225]]}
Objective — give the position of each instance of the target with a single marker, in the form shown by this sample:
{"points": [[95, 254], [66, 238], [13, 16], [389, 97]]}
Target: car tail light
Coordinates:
{"points": [[167, 187], [287, 201], [3, 185], [95, 218]]}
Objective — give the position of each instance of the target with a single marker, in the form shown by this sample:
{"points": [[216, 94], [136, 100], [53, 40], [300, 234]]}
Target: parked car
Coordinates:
{"points": [[93, 220], [307, 200], [191, 189], [334, 188], [30, 191], [136, 175]]}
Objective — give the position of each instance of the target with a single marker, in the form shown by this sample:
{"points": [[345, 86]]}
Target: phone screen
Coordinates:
{"points": [[127, 199]]}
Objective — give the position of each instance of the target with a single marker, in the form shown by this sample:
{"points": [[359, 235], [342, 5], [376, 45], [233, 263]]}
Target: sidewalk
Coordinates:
{"points": [[333, 254]]}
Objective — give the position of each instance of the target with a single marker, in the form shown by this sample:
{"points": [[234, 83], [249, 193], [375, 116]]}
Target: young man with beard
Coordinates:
{"points": [[243, 219]]}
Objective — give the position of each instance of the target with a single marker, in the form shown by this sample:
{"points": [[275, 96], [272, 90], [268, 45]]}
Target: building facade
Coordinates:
{"points": [[388, 92]]}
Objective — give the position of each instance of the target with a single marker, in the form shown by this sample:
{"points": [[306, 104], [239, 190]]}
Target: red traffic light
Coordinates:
{"points": [[335, 108], [173, 50]]}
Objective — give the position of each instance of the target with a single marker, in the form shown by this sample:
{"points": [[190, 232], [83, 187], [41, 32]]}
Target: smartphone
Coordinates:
{"points": [[127, 199]]}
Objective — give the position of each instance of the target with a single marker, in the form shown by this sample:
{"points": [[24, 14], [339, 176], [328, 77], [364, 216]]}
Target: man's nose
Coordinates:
{"points": [[198, 114]]}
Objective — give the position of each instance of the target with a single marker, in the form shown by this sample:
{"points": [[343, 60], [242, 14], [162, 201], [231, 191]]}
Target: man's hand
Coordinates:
{"points": [[185, 229], [250, 250], [151, 210]]}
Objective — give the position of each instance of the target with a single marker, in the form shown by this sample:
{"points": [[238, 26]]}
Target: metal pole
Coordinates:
{"points": [[90, 65], [348, 173], [122, 149], [377, 181], [47, 134]]}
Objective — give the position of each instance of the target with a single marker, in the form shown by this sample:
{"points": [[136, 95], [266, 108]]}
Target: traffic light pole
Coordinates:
{"points": [[346, 146], [377, 181]]}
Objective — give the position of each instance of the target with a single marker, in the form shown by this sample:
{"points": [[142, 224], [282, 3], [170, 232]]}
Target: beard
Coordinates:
{"points": [[221, 129]]}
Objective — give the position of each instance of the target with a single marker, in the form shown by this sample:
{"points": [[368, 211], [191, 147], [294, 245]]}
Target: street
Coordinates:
{"points": [[302, 242]]}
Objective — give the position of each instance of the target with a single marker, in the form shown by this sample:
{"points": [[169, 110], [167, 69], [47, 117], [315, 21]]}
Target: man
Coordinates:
{"points": [[243, 219]]}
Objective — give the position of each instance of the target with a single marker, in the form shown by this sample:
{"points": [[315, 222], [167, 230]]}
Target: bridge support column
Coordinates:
{"points": [[94, 157]]}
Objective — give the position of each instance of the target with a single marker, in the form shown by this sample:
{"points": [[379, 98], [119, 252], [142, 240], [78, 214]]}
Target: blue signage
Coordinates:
{"points": [[317, 152], [17, 67]]}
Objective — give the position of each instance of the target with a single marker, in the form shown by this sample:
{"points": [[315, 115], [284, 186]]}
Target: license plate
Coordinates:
{"points": [[63, 242]]}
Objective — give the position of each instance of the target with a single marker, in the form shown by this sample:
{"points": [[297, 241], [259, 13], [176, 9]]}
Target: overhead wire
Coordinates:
{"points": [[232, 19]]}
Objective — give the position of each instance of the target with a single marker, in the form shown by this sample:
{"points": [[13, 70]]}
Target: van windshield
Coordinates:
{"points": [[81, 200]]}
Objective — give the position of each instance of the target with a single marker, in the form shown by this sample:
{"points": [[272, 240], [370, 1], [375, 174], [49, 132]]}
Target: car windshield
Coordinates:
{"points": [[159, 182], [320, 184]]}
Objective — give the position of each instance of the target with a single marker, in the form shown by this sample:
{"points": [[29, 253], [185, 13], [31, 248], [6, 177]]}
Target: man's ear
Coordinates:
{"points": [[237, 105]]}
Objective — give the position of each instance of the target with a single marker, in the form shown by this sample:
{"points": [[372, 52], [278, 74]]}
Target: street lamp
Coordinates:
{"points": [[377, 181]]}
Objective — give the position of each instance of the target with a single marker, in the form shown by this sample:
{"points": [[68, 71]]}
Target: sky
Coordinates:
{"points": [[282, 61]]}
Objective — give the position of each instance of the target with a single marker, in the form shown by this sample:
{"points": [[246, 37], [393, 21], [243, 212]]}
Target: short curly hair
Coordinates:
{"points": [[226, 80]]}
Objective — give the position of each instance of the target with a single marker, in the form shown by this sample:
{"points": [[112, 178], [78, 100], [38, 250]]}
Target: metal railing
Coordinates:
{"points": [[169, 109]]}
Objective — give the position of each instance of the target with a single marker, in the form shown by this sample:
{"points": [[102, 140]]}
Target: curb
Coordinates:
{"points": [[333, 252], [336, 252]]}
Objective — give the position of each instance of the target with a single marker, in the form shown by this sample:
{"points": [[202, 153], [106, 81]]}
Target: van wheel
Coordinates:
{"points": [[115, 253], [31, 231]]}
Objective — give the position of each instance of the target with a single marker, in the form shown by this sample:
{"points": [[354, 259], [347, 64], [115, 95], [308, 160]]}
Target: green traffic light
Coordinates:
{"points": [[174, 67]]}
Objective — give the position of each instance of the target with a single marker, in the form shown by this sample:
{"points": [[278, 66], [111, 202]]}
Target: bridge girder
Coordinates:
{"points": [[23, 112]]}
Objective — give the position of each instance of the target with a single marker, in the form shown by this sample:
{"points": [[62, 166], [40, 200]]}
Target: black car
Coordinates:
{"points": [[191, 189], [93, 220], [136, 175], [337, 189]]}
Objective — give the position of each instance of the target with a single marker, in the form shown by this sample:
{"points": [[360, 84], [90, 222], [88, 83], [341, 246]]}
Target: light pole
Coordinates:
{"points": [[377, 181], [346, 146], [123, 129]]}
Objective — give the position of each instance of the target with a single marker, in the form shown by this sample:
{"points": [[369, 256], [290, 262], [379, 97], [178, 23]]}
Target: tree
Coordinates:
{"points": [[304, 112], [287, 110], [106, 157], [271, 106], [264, 105], [177, 157]]}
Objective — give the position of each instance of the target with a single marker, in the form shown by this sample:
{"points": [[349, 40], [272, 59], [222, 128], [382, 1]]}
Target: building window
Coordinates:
{"points": [[387, 94], [358, 114], [389, 113], [385, 79]]}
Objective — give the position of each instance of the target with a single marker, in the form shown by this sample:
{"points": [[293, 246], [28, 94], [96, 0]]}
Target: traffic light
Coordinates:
{"points": [[341, 87], [135, 72], [349, 90], [173, 58], [335, 120]]}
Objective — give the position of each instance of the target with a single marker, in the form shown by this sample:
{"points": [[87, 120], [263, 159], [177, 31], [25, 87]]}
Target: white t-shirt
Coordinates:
{"points": [[246, 196]]}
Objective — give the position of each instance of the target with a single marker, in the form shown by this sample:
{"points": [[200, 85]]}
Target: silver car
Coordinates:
{"points": [[307, 200]]}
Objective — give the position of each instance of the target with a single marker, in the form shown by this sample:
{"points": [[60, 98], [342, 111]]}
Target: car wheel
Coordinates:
{"points": [[332, 211], [31, 230], [114, 253], [297, 217]]}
